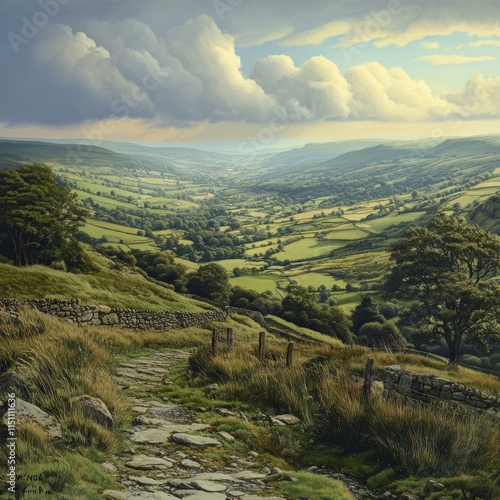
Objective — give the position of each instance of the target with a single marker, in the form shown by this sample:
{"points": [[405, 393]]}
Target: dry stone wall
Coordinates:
{"points": [[73, 312], [427, 388]]}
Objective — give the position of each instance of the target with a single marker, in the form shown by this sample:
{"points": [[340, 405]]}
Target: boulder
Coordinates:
{"points": [[28, 413], [94, 409], [432, 487], [286, 419]]}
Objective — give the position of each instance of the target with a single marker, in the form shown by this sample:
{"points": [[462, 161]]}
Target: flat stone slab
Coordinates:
{"points": [[208, 486], [146, 481], [192, 440], [227, 437], [154, 495], [115, 495], [202, 495], [213, 476], [144, 462], [162, 434], [135, 375], [248, 475], [190, 464]]}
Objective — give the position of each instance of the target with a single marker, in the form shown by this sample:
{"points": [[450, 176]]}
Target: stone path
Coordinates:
{"points": [[171, 459]]}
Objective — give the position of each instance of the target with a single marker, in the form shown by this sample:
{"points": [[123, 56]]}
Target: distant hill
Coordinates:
{"points": [[183, 161], [469, 146], [314, 153], [38, 151]]}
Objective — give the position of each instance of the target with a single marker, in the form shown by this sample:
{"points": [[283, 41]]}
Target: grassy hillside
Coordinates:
{"points": [[110, 284]]}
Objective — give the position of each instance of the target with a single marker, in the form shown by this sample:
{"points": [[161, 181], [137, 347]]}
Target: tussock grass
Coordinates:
{"points": [[307, 485], [56, 362], [410, 437]]}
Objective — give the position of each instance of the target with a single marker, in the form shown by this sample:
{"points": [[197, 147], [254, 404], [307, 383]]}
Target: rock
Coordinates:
{"points": [[212, 388], [146, 481], [227, 437], [408, 496], [313, 468], [141, 420], [156, 495], [108, 468], [94, 409], [103, 309], [115, 495], [190, 464], [203, 495], [213, 476], [28, 413], [163, 433], [235, 493], [192, 440], [248, 475], [432, 487], [109, 319], [208, 486], [286, 419], [253, 453], [225, 412], [144, 462]]}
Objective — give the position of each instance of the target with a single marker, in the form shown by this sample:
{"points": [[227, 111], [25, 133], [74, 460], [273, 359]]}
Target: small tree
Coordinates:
{"points": [[367, 311], [445, 267]]}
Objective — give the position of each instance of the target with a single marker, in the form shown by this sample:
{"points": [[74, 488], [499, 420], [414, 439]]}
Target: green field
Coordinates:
{"points": [[308, 248], [260, 284]]}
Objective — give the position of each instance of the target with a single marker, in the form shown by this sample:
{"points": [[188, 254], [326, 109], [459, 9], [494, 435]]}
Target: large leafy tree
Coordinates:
{"points": [[445, 267], [210, 281], [38, 216]]}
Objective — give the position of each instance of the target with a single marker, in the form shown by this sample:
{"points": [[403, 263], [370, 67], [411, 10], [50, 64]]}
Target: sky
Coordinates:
{"points": [[254, 71]]}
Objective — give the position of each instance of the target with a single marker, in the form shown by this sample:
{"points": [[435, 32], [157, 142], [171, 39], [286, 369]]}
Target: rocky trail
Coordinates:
{"points": [[168, 456]]}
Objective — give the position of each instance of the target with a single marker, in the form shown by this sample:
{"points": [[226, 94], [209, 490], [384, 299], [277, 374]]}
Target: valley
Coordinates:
{"points": [[319, 215]]}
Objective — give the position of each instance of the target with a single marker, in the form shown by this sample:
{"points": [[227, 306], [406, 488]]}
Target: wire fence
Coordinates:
{"points": [[229, 340]]}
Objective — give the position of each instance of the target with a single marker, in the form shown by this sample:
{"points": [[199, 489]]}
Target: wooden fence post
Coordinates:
{"points": [[215, 335], [262, 345], [289, 354], [368, 379], [230, 338]]}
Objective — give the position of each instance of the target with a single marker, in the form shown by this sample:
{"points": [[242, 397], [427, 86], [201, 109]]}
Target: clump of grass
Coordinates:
{"points": [[409, 437], [68, 476], [307, 485], [21, 326], [55, 362]]}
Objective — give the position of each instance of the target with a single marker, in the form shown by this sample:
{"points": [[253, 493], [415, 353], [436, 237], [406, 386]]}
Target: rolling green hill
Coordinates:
{"points": [[108, 284]]}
